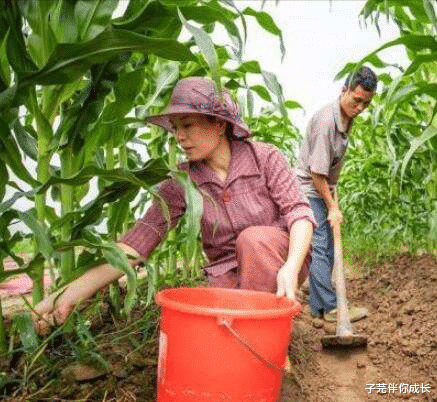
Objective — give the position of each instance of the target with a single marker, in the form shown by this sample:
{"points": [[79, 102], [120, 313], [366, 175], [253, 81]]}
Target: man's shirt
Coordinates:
{"points": [[323, 148]]}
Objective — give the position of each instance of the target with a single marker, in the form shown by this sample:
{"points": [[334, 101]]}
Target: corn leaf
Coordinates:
{"points": [[168, 74], [70, 61], [93, 16], [262, 92], [267, 23], [10, 154], [41, 236], [4, 177], [153, 172], [24, 324], [427, 134], [117, 258], [26, 142], [206, 46], [193, 213], [273, 85]]}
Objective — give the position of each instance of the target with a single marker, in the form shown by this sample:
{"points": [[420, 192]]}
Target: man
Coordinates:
{"points": [[320, 161]]}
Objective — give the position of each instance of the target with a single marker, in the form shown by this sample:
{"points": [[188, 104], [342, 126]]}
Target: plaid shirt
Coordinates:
{"points": [[260, 190]]}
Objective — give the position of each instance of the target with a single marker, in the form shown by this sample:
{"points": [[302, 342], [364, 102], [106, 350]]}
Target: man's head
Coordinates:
{"points": [[357, 92]]}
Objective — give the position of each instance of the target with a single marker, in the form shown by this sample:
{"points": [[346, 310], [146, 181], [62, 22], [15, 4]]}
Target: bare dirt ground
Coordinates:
{"points": [[399, 363]]}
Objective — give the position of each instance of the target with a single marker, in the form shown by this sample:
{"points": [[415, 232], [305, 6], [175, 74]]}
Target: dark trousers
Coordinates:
{"points": [[322, 294]]}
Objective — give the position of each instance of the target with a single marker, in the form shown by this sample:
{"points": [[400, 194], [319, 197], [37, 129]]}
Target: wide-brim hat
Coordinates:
{"points": [[200, 95]]}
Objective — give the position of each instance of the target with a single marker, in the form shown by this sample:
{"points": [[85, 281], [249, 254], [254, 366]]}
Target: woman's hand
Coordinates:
{"points": [[301, 232], [287, 282], [55, 309], [51, 311]]}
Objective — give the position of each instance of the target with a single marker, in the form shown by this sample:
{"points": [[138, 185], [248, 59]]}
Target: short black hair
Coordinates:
{"points": [[364, 76]]}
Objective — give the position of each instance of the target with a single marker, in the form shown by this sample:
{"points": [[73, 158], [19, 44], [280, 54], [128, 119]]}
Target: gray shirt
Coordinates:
{"points": [[323, 148]]}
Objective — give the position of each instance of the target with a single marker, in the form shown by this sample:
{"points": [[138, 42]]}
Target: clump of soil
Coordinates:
{"points": [[401, 296]]}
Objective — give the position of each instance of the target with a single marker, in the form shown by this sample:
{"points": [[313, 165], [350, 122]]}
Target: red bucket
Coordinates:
{"points": [[222, 344]]}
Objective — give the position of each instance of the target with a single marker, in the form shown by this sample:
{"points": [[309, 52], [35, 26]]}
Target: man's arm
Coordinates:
{"points": [[322, 187]]}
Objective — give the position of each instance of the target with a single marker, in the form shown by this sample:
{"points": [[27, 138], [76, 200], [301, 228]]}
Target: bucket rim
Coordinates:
{"points": [[290, 307]]}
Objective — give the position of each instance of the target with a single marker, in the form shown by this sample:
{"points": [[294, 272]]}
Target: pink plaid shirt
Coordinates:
{"points": [[261, 190]]}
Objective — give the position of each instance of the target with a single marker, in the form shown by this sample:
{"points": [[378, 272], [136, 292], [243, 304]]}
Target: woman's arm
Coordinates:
{"points": [[300, 240], [56, 307]]}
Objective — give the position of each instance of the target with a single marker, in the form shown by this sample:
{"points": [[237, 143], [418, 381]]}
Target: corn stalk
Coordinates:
{"points": [[403, 126], [83, 79]]}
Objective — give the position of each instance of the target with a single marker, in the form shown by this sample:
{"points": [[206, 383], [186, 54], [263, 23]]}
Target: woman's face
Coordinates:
{"points": [[199, 137]]}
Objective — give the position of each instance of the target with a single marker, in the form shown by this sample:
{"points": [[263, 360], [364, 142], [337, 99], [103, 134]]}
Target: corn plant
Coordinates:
{"points": [[403, 129], [76, 82]]}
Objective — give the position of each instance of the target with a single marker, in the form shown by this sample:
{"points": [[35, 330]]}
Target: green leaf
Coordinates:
{"points": [[24, 324], [429, 9], [151, 18], [419, 60], [251, 66], [292, 105], [126, 90], [273, 85], [134, 15], [413, 42], [10, 155], [26, 141], [17, 54], [117, 216], [63, 23], [212, 12], [93, 16], [5, 206], [168, 74], [117, 258], [4, 177], [427, 134], [153, 172], [408, 91], [40, 39], [193, 213], [70, 61], [41, 236], [5, 74], [266, 22], [262, 92], [250, 102], [206, 46]]}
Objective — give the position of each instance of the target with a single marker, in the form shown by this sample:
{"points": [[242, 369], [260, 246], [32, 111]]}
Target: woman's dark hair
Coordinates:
{"points": [[229, 131], [365, 77]]}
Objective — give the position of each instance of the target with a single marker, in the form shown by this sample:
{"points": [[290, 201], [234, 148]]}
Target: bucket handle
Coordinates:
{"points": [[226, 322]]}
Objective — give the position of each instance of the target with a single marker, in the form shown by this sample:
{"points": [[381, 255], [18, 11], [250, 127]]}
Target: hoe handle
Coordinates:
{"points": [[344, 326]]}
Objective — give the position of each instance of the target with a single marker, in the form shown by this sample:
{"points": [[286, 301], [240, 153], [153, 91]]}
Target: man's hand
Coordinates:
{"points": [[335, 216], [287, 282]]}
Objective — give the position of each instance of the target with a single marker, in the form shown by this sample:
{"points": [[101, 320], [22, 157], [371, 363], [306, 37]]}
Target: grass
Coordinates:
{"points": [[95, 336]]}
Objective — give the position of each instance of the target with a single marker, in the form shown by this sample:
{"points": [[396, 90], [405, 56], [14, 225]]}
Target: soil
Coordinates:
{"points": [[398, 364]]}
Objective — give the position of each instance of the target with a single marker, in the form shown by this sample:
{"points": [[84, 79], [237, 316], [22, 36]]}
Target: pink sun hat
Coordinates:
{"points": [[200, 95]]}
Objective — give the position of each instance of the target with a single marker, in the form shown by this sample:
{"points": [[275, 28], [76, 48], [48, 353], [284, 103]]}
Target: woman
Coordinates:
{"points": [[256, 224]]}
